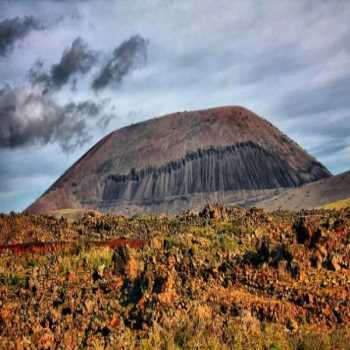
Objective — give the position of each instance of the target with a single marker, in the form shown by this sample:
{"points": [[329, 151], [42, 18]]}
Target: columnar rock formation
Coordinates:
{"points": [[181, 161]]}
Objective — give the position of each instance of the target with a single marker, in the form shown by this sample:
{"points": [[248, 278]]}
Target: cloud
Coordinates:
{"points": [[37, 76], [29, 117], [130, 55], [15, 29], [285, 60], [78, 58], [309, 100]]}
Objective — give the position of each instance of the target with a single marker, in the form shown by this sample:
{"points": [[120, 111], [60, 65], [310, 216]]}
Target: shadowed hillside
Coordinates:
{"points": [[183, 160]]}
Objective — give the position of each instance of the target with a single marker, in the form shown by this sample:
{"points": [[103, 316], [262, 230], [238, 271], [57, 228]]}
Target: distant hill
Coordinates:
{"points": [[183, 160], [331, 192]]}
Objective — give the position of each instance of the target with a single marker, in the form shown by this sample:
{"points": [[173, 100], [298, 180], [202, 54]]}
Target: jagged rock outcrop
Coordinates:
{"points": [[182, 161]]}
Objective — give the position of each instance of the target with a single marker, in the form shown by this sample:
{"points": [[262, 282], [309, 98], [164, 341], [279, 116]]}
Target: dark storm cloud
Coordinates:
{"points": [[130, 55], [37, 75], [28, 117], [78, 58], [15, 29], [285, 60]]}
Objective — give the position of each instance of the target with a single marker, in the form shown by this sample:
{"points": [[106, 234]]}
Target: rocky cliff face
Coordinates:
{"points": [[165, 164]]}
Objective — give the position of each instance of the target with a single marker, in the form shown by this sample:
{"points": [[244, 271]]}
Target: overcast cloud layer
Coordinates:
{"points": [[72, 71]]}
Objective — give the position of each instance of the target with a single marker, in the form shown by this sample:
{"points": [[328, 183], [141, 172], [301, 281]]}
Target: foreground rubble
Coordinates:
{"points": [[221, 279]]}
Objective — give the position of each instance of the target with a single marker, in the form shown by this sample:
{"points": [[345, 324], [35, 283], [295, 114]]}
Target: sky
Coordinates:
{"points": [[73, 71]]}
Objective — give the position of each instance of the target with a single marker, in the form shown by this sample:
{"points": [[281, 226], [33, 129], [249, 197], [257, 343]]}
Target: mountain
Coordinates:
{"points": [[183, 160], [320, 193]]}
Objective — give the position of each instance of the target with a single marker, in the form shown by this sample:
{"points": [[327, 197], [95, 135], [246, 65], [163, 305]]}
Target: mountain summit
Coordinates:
{"points": [[183, 160]]}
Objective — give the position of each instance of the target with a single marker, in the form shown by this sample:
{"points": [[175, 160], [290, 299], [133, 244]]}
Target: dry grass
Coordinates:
{"points": [[344, 203], [71, 215], [94, 258]]}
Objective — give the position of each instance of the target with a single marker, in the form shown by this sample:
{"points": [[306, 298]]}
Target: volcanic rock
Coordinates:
{"points": [[183, 160]]}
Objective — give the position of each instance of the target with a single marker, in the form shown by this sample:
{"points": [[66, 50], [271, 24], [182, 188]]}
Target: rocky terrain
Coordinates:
{"points": [[225, 278], [183, 160]]}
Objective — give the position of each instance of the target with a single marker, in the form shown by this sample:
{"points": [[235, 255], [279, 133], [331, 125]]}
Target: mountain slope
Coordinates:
{"points": [[342, 203], [311, 195], [183, 160]]}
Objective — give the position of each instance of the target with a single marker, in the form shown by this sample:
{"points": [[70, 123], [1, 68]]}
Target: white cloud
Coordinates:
{"points": [[288, 61]]}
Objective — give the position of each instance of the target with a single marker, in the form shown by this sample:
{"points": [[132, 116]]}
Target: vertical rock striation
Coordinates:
{"points": [[187, 158], [244, 166]]}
